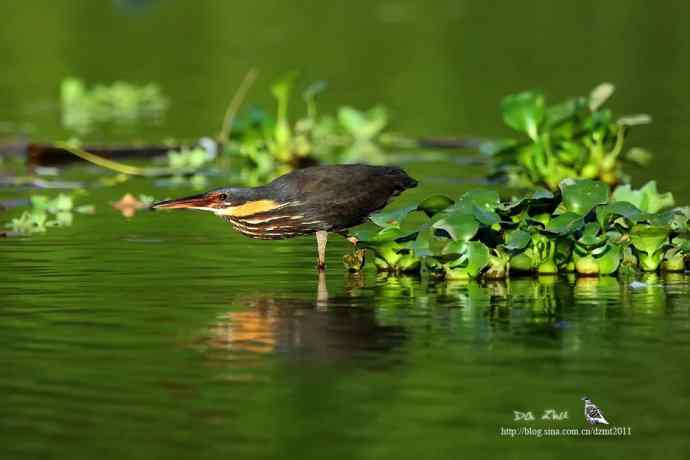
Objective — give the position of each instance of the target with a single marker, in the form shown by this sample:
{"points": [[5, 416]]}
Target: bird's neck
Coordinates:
{"points": [[240, 195]]}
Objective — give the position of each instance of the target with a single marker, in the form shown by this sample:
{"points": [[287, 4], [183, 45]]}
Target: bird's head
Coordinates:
{"points": [[585, 398], [215, 201]]}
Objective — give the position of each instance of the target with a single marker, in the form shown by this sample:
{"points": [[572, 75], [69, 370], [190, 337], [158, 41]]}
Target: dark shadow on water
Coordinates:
{"points": [[371, 320], [326, 327]]}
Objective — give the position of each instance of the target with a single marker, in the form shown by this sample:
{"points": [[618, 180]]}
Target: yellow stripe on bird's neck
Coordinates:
{"points": [[250, 208]]}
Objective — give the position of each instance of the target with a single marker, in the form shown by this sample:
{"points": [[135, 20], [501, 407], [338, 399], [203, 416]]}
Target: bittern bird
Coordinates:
{"points": [[319, 200]]}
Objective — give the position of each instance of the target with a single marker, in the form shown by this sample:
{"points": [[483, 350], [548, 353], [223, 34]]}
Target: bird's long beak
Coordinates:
{"points": [[202, 202]]}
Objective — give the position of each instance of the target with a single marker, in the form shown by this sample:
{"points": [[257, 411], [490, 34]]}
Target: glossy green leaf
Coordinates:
{"points": [[600, 95], [609, 258], [590, 235], [477, 258], [495, 148], [581, 196], [392, 218], [639, 156], [617, 209], [647, 198], [460, 227], [648, 238], [524, 112], [517, 240], [363, 125], [487, 199], [565, 223], [634, 120], [435, 204], [485, 216]]}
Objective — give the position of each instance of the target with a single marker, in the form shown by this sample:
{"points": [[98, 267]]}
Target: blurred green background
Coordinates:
{"points": [[441, 67]]}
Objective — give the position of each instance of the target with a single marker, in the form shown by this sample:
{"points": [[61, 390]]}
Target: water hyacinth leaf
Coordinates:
{"points": [[494, 148], [455, 248], [639, 156], [608, 257], [581, 196], [421, 246], [634, 120], [311, 91], [565, 223], [40, 202], [363, 125], [485, 216], [434, 204], [517, 240], [617, 209], [682, 243], [487, 199], [281, 92], [541, 193], [590, 235], [648, 238], [524, 112], [647, 198], [600, 95], [558, 113], [477, 258], [460, 227], [392, 218], [370, 233]]}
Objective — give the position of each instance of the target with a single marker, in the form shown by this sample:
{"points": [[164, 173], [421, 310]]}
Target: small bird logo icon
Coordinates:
{"points": [[593, 414]]}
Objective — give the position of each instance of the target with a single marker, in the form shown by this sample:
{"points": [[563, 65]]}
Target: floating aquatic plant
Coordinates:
{"points": [[264, 145], [119, 102], [582, 228], [577, 138], [47, 212]]}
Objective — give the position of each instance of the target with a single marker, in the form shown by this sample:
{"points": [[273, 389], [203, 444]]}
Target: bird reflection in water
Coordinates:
{"points": [[322, 327]]}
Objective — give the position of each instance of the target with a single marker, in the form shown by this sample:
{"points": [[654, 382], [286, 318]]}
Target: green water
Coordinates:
{"points": [[168, 335]]}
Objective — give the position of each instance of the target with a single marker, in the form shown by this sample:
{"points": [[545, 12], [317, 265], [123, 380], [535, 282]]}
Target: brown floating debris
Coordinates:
{"points": [[49, 154], [129, 205]]}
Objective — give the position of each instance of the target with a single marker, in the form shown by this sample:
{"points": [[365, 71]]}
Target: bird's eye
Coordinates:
{"points": [[223, 196]]}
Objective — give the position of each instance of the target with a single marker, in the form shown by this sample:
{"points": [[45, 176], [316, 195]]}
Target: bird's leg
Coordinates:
{"points": [[322, 292], [321, 238]]}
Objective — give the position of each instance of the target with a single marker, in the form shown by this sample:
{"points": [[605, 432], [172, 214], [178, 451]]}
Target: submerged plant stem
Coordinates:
{"points": [[234, 105], [110, 164]]}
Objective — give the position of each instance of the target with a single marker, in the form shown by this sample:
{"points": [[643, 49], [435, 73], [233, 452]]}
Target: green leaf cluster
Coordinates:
{"points": [[578, 138], [264, 145], [580, 228], [121, 102], [47, 212]]}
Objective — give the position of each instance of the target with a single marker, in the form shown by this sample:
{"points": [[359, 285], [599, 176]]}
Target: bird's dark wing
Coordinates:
{"points": [[342, 196]]}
